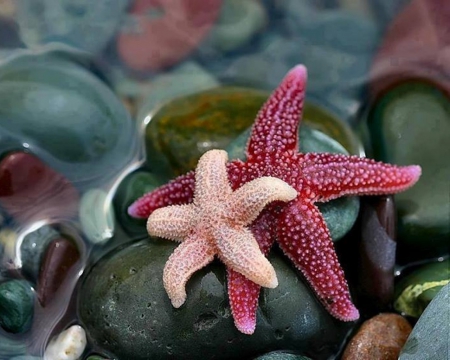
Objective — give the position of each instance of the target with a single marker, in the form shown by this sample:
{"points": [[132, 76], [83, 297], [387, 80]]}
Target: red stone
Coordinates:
{"points": [[31, 191], [417, 45], [170, 35], [60, 257]]}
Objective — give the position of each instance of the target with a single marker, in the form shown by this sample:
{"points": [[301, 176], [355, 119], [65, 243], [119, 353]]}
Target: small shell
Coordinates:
{"points": [[96, 216], [69, 345]]}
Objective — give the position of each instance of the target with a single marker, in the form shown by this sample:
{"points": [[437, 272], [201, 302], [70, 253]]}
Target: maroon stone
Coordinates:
{"points": [[59, 259], [417, 45], [30, 190]]}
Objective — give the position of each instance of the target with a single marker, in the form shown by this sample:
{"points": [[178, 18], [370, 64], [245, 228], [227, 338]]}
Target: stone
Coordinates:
{"points": [[130, 189], [16, 306], [30, 190], [95, 141], [281, 355], [183, 80], [84, 24], [96, 216], [415, 291], [387, 10], [95, 357], [400, 136], [429, 338], [8, 240], [415, 46], [381, 337], [126, 311], [26, 357], [68, 345], [339, 214], [32, 250], [59, 259], [10, 347], [238, 23], [377, 249], [159, 34]]}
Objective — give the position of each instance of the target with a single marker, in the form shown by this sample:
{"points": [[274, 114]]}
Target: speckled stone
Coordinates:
{"points": [[125, 310], [415, 291], [381, 337], [16, 306]]}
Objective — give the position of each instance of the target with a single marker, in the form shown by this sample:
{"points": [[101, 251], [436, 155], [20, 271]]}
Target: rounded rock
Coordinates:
{"points": [[16, 306], [69, 345]]}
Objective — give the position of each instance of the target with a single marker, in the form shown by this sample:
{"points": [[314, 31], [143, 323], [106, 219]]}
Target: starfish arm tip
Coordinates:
{"points": [[133, 210], [352, 315], [246, 327], [177, 302], [299, 72], [415, 171]]}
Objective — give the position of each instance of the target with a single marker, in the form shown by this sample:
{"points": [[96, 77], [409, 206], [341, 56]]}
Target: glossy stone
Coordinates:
{"points": [[88, 25], [281, 355], [32, 250], [60, 257], [95, 357], [381, 337], [96, 216], [400, 136], [158, 34], [16, 306], [125, 310], [83, 133], [416, 290], [130, 189], [377, 251], [238, 22], [10, 347], [8, 239], [31, 190], [68, 345], [429, 338], [340, 214]]}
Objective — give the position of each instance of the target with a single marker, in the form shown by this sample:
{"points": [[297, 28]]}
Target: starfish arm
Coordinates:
{"points": [[248, 201], [238, 249], [172, 222], [330, 176], [191, 255], [276, 126], [177, 192], [211, 177], [243, 293], [305, 239]]}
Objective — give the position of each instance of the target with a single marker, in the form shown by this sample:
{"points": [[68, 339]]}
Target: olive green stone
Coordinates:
{"points": [[16, 306], [95, 357], [125, 310], [130, 189], [411, 125], [182, 130], [416, 290], [339, 214]]}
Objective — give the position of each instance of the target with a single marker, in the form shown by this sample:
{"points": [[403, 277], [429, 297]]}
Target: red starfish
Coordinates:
{"points": [[299, 228]]}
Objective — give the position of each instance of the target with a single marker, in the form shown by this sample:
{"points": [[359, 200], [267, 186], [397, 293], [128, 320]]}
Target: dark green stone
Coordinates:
{"points": [[416, 290], [130, 189], [125, 310], [281, 355], [95, 357], [411, 125], [16, 306], [33, 248], [10, 347]]}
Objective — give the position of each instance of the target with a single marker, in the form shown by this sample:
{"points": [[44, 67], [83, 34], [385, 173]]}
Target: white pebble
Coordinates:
{"points": [[69, 345]]}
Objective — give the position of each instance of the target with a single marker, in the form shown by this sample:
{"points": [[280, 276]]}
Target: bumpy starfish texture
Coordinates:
{"points": [[298, 226], [215, 224]]}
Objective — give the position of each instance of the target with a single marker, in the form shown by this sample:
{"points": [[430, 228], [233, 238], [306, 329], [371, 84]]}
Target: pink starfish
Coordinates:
{"points": [[298, 226]]}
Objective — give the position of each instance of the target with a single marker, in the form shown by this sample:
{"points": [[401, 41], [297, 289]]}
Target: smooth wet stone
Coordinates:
{"points": [[8, 239], [32, 250], [415, 46], [125, 310], [238, 23], [96, 216], [185, 79], [88, 25], [381, 337], [400, 136], [130, 189], [26, 357], [339, 214], [429, 338], [68, 345], [30, 190], [159, 34], [416, 290], [60, 257], [95, 357], [84, 133], [16, 306], [377, 252], [281, 355], [10, 347]]}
